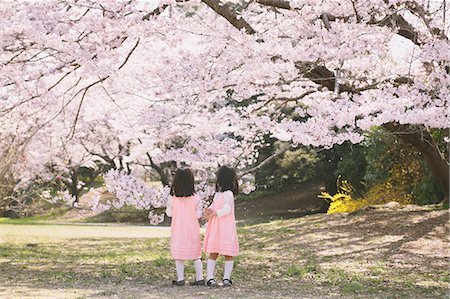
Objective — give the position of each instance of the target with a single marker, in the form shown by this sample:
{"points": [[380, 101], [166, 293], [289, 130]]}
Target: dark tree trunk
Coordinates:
{"points": [[162, 175], [74, 185], [421, 139]]}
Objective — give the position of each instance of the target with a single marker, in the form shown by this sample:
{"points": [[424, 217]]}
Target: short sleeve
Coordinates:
{"points": [[169, 206], [198, 206]]}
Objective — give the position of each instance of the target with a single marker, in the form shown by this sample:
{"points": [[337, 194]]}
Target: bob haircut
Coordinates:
{"points": [[227, 180], [183, 183]]}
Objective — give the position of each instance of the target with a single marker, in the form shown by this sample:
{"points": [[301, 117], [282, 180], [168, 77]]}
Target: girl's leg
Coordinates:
{"points": [[198, 270], [228, 267], [211, 266], [179, 265]]}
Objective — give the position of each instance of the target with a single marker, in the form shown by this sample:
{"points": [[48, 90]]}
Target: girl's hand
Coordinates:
{"points": [[209, 213]]}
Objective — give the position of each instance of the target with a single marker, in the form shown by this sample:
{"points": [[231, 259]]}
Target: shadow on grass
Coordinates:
{"points": [[339, 231], [86, 262], [315, 256]]}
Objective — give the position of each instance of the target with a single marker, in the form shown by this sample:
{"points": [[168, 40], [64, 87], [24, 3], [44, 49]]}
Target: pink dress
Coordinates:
{"points": [[185, 228], [221, 234]]}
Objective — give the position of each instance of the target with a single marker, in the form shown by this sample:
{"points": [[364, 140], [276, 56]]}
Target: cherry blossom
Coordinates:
{"points": [[133, 84]]}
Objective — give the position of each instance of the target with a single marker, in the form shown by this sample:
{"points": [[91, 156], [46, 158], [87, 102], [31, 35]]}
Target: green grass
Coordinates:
{"points": [[126, 214], [54, 214], [352, 287], [133, 262], [162, 262], [445, 278], [302, 271]]}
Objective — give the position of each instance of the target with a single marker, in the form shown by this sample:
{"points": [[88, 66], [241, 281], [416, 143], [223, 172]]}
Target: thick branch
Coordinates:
{"points": [[283, 4], [321, 75], [404, 28], [229, 15]]}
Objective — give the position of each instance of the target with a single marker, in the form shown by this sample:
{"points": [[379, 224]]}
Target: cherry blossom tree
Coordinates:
{"points": [[206, 79], [333, 63]]}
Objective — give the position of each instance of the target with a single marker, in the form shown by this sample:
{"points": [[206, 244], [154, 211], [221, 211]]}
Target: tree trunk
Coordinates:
{"points": [[162, 175], [74, 185], [421, 139]]}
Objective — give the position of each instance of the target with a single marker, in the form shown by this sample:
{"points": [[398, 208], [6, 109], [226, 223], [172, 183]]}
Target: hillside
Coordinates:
{"points": [[297, 202]]}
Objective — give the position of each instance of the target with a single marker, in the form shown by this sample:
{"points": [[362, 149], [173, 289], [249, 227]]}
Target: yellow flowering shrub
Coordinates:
{"points": [[342, 201], [392, 189]]}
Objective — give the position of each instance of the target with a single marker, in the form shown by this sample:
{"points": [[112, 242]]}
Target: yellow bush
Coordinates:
{"points": [[393, 189], [342, 201], [385, 192], [396, 187]]}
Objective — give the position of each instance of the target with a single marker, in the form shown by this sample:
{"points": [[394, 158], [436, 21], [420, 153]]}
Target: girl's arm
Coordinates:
{"points": [[169, 206], [228, 203], [198, 206]]}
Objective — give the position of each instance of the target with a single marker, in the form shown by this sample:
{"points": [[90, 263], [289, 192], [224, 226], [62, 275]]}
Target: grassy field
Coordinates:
{"points": [[368, 255]]}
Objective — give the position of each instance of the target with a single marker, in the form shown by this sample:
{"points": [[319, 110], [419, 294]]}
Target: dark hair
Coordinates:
{"points": [[227, 180], [183, 183]]}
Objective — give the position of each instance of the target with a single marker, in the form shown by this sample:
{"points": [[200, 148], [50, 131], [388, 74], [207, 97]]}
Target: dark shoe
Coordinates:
{"points": [[212, 283], [197, 283], [227, 282], [178, 283]]}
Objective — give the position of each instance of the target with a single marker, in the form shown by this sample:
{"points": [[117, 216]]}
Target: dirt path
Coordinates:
{"points": [[52, 232]]}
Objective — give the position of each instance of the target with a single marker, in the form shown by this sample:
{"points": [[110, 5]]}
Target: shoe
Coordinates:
{"points": [[212, 283], [227, 282], [178, 283], [197, 283]]}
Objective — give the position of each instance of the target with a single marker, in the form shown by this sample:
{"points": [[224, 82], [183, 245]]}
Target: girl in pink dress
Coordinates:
{"points": [[221, 234], [185, 208]]}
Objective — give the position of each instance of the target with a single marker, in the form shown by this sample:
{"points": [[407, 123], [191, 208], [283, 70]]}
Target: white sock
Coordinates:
{"points": [[179, 264], [198, 269], [228, 269], [210, 267]]}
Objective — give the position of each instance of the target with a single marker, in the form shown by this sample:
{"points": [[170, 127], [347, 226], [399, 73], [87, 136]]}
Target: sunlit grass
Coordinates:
{"points": [[109, 259]]}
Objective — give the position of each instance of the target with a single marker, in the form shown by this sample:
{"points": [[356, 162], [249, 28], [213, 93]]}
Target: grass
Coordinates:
{"points": [[38, 219], [127, 214], [298, 258], [302, 271], [162, 262]]}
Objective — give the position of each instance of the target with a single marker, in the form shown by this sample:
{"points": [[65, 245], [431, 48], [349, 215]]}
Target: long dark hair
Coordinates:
{"points": [[227, 180], [183, 183]]}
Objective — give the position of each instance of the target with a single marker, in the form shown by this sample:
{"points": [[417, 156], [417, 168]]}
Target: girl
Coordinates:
{"points": [[185, 208], [221, 235]]}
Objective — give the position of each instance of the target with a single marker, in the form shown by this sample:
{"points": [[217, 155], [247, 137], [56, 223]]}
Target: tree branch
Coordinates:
{"points": [[155, 12], [157, 168], [283, 4], [265, 161], [285, 100], [84, 91], [229, 15], [129, 54], [404, 28]]}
